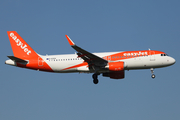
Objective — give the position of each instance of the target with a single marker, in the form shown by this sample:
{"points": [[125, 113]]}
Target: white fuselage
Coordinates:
{"points": [[60, 63]]}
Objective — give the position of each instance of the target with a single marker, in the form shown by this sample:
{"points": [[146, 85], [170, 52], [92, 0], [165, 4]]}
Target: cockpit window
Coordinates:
{"points": [[164, 55]]}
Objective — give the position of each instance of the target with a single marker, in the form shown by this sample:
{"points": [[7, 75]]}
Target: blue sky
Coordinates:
{"points": [[97, 26]]}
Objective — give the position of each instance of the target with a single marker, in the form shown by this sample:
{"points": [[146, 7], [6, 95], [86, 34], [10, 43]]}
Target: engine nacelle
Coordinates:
{"points": [[116, 66], [116, 70], [115, 75]]}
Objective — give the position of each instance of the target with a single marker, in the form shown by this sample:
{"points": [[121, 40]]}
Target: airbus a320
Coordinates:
{"points": [[109, 64]]}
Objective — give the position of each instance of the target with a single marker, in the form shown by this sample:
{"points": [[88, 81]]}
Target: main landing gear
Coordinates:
{"points": [[152, 71], [95, 78]]}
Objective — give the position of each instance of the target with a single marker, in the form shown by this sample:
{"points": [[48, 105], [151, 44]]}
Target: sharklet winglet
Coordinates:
{"points": [[69, 40]]}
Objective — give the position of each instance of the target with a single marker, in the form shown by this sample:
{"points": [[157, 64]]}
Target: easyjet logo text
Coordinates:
{"points": [[135, 53], [20, 44]]}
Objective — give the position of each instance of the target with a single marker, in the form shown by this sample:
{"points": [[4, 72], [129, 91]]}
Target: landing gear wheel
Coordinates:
{"points": [[153, 76], [152, 71], [95, 81], [95, 78]]}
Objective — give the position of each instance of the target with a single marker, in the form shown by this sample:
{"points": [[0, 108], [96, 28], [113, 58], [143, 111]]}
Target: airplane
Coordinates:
{"points": [[109, 64]]}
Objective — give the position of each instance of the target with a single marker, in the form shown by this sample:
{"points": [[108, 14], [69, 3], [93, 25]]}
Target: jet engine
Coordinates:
{"points": [[116, 70]]}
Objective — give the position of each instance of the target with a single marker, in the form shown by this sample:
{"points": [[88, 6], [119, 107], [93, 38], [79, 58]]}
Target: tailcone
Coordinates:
{"points": [[10, 62]]}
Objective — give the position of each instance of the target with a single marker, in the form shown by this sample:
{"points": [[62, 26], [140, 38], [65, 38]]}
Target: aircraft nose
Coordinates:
{"points": [[172, 61]]}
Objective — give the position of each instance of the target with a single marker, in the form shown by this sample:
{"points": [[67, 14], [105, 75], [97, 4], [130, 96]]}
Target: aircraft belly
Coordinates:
{"points": [[134, 64]]}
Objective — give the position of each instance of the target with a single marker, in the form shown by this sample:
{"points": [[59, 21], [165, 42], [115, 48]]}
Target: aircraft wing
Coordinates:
{"points": [[87, 56]]}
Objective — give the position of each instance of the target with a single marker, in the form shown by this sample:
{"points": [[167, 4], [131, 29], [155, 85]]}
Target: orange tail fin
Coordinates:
{"points": [[20, 48]]}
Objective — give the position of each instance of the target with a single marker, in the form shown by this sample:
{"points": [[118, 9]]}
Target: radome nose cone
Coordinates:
{"points": [[173, 60]]}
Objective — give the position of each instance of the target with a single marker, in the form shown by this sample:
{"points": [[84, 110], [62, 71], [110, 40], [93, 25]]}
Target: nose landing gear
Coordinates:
{"points": [[152, 71]]}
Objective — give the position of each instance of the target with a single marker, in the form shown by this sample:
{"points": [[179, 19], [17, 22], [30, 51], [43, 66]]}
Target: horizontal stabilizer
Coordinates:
{"points": [[17, 59]]}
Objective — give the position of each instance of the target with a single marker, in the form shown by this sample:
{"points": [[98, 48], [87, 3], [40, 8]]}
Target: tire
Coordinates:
{"points": [[153, 76], [95, 81]]}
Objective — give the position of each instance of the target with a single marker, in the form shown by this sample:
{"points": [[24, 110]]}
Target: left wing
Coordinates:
{"points": [[88, 57]]}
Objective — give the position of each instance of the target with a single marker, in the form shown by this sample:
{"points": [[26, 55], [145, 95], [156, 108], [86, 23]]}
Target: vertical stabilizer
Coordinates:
{"points": [[24, 55], [20, 48]]}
